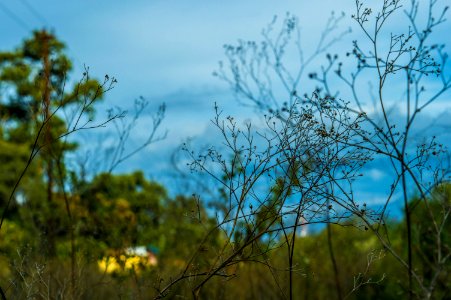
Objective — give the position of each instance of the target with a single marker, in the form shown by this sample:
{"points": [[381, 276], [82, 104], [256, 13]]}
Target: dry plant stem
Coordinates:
{"points": [[286, 156], [315, 155], [396, 148], [359, 280], [264, 65], [226, 262], [387, 246], [333, 260], [44, 129], [262, 99], [71, 230], [124, 129], [36, 148], [217, 269], [382, 78]]}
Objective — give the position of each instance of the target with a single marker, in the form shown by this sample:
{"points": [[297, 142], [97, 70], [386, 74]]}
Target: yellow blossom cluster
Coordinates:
{"points": [[124, 263]]}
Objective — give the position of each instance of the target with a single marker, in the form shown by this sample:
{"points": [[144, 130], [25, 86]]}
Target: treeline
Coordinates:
{"points": [[116, 212]]}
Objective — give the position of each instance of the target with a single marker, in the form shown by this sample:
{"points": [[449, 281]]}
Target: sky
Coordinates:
{"points": [[166, 52]]}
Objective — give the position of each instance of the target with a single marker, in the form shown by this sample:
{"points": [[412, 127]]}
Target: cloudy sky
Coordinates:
{"points": [[166, 51]]}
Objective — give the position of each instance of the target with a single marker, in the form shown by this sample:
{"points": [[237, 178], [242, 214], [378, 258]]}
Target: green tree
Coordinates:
{"points": [[121, 210], [36, 110]]}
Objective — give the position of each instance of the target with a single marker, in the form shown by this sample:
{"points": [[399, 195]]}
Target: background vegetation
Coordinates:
{"points": [[274, 214]]}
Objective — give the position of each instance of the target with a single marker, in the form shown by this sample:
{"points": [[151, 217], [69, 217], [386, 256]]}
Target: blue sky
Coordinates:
{"points": [[166, 51]]}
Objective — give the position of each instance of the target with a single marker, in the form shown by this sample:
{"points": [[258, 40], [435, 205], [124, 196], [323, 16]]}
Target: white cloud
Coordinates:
{"points": [[375, 174]]}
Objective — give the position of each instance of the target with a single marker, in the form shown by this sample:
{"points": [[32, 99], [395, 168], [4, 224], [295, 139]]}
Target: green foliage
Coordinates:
{"points": [[121, 210], [12, 159], [36, 110], [184, 224]]}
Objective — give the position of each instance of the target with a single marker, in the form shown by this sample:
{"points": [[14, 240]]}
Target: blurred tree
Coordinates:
{"points": [[121, 210], [32, 90], [431, 241], [184, 225]]}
